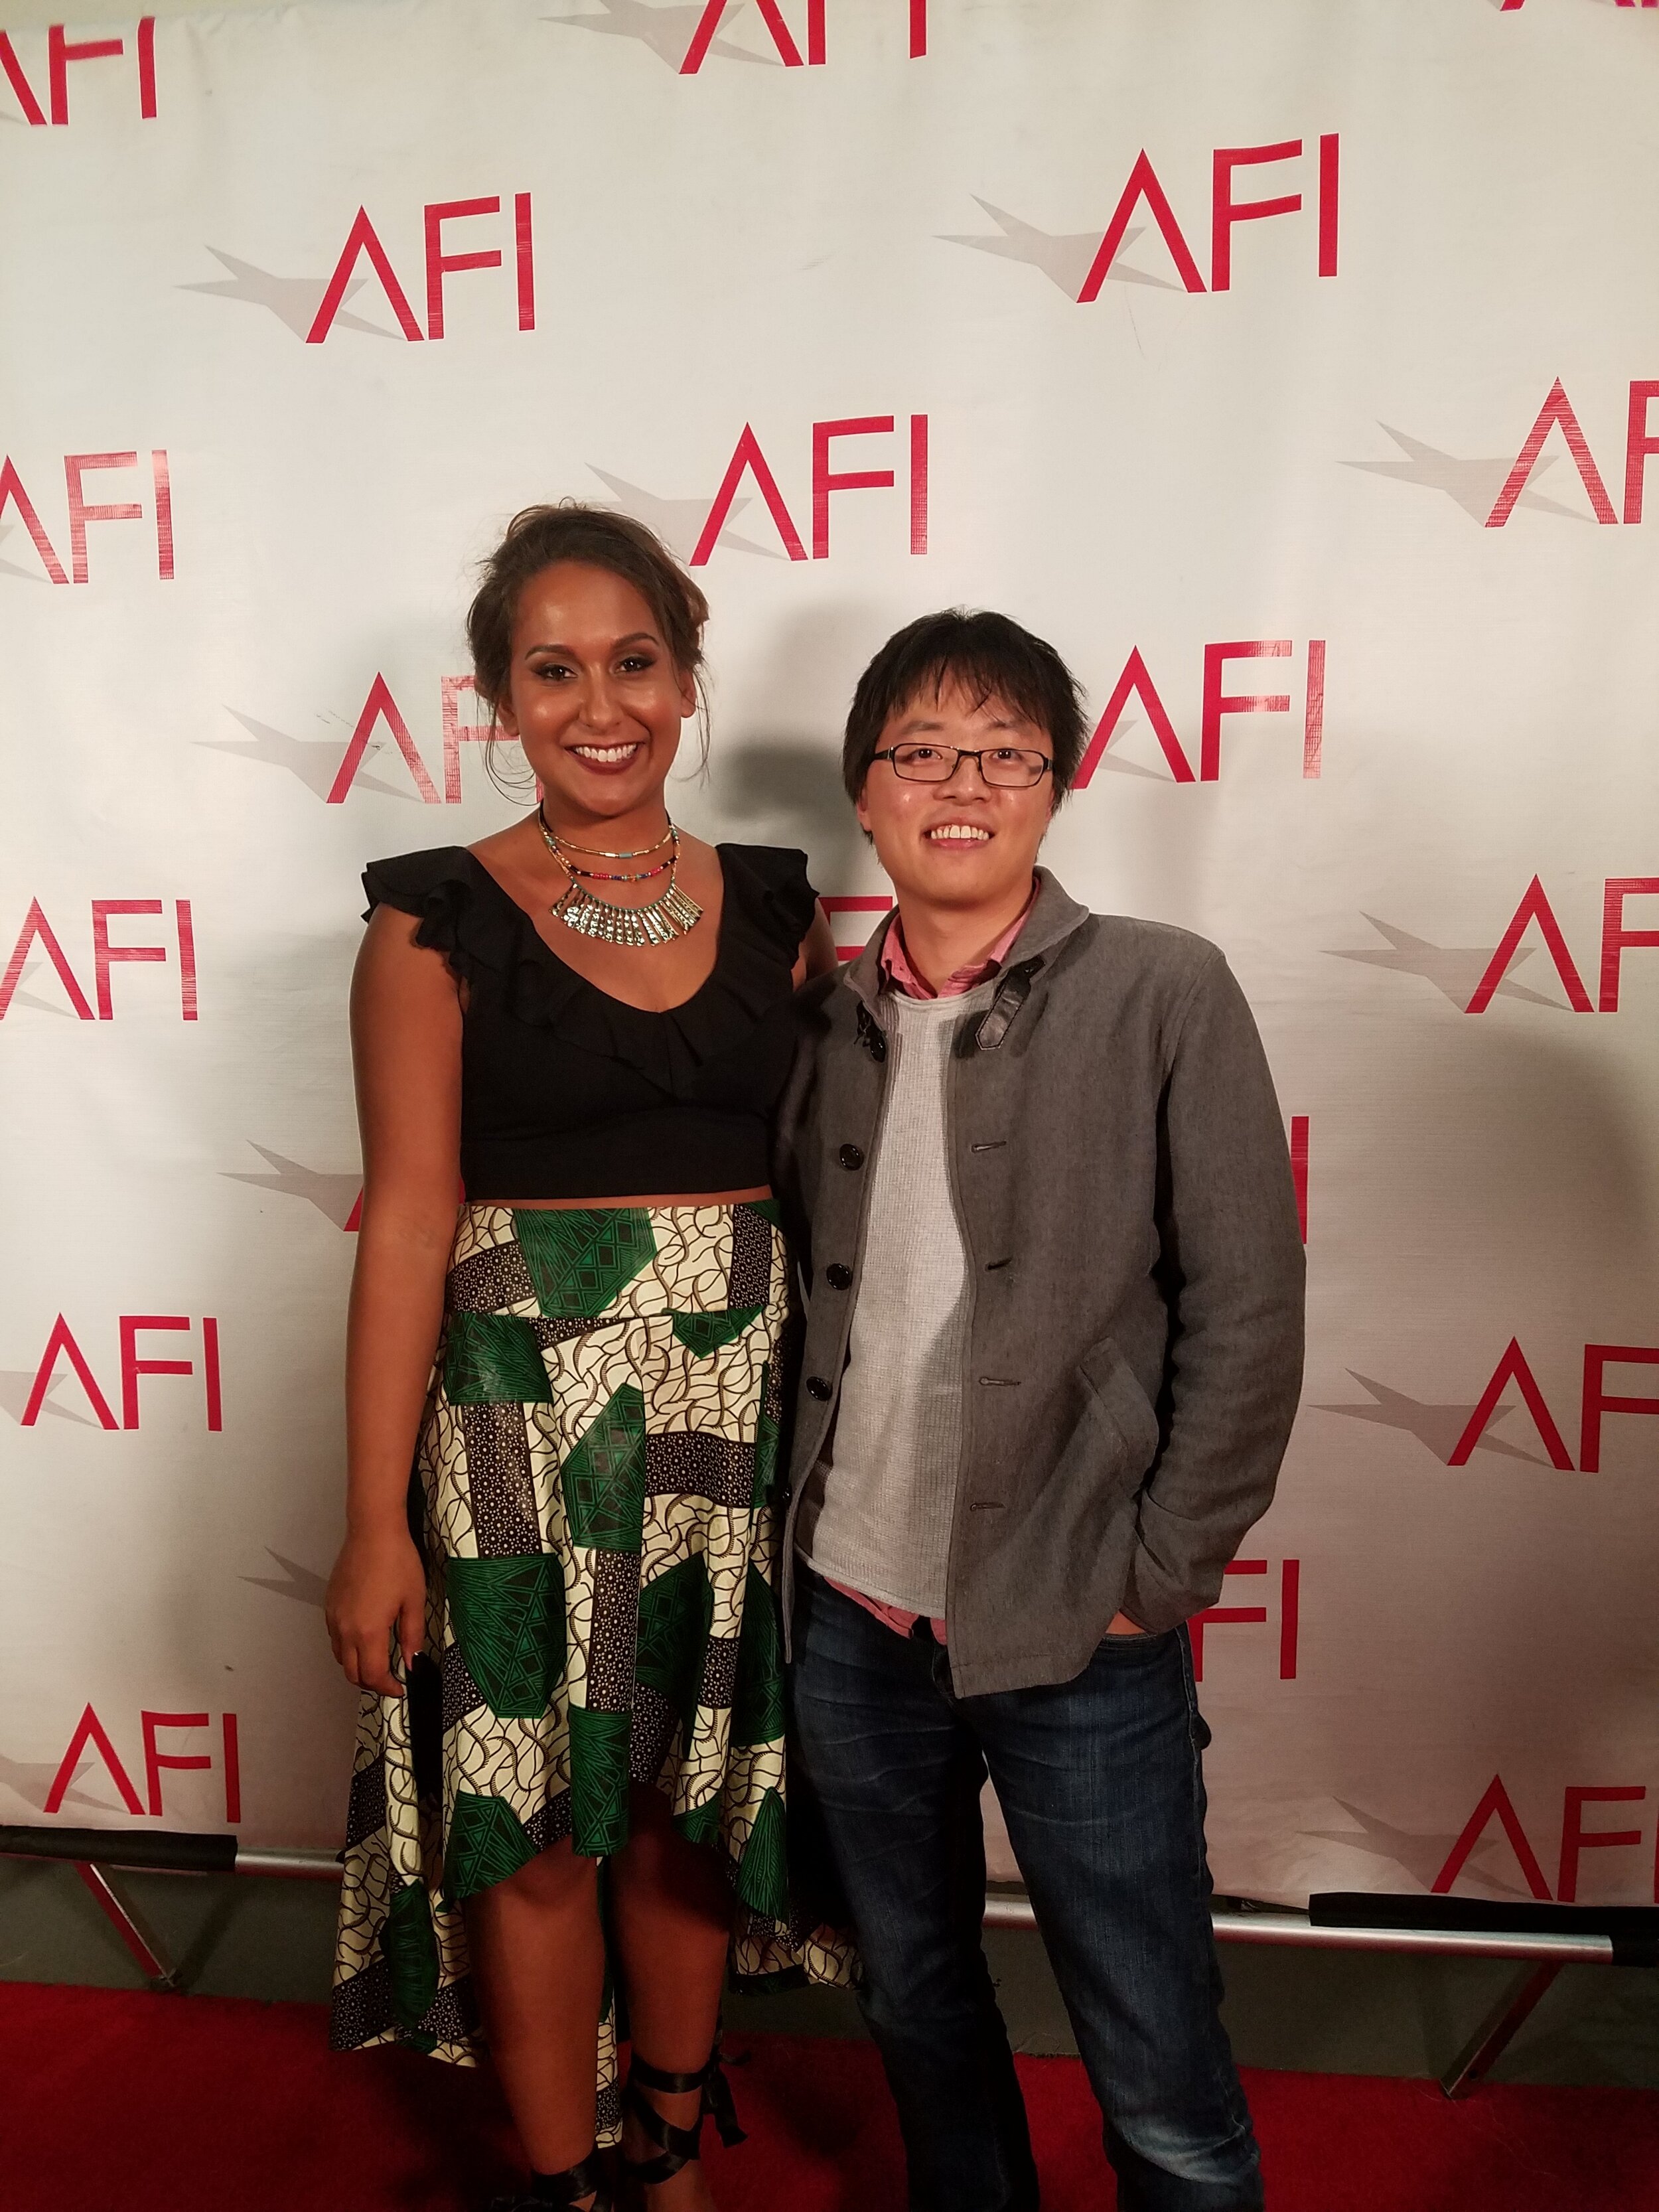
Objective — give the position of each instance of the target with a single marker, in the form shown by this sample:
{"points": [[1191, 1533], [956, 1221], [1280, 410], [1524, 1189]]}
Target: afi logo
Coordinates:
{"points": [[380, 707], [1497, 1804], [332, 776], [1557, 413], [1219, 703], [91, 1735], [1061, 257], [1471, 975], [1534, 907], [61, 1344], [60, 53], [1288, 1595], [748, 460], [1596, 1402], [82, 511], [783, 38], [363, 243], [105, 957]]}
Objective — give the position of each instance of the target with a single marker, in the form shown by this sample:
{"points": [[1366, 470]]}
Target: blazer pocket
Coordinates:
{"points": [[1119, 1399]]}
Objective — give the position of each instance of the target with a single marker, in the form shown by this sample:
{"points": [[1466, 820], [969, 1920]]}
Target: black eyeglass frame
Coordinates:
{"points": [[967, 752]]}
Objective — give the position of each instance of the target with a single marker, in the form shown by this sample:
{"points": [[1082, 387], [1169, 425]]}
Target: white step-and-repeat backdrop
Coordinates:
{"points": [[1293, 367]]}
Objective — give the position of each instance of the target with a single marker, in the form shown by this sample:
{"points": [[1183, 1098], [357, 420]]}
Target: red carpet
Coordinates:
{"points": [[113, 2102]]}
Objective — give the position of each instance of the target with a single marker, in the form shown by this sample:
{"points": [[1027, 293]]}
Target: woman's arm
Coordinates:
{"points": [[406, 1049], [817, 956]]}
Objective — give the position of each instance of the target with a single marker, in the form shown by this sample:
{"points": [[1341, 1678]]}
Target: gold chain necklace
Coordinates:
{"points": [[599, 853], [663, 919]]}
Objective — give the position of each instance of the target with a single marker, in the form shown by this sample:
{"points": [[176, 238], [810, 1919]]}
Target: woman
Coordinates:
{"points": [[569, 1775]]}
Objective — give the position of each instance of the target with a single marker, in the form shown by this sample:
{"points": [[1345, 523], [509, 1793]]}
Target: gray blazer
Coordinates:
{"points": [[1135, 1267]]}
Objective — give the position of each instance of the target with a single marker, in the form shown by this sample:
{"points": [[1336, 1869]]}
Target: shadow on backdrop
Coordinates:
{"points": [[784, 787], [774, 794]]}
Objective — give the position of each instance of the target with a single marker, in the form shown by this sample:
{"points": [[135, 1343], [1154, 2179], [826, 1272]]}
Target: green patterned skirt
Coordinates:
{"points": [[596, 1506]]}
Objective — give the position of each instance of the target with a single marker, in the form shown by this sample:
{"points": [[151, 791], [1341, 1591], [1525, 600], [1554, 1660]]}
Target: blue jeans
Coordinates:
{"points": [[1101, 1785]]}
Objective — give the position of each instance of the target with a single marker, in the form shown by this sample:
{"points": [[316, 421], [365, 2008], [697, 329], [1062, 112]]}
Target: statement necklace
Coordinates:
{"points": [[669, 915]]}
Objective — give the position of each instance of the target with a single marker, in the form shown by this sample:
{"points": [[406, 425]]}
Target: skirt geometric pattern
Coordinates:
{"points": [[594, 1498]]}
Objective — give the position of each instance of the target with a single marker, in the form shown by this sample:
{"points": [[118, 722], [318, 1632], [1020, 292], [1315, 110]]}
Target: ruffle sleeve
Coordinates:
{"points": [[486, 939], [439, 888], [431, 884], [776, 878]]}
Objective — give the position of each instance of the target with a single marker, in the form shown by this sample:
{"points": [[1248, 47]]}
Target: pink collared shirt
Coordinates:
{"points": [[899, 972]]}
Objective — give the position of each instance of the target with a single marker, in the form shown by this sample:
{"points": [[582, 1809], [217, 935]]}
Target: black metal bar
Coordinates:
{"points": [[165, 1850], [1631, 1927]]}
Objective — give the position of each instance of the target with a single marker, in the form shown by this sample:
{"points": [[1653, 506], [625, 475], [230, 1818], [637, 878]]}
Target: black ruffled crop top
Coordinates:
{"points": [[566, 1092]]}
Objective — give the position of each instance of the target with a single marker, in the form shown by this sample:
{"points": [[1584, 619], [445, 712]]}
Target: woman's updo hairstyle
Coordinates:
{"points": [[535, 539]]}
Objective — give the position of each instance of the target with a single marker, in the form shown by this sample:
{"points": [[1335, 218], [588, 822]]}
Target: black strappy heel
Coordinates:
{"points": [[584, 2179], [678, 2146]]}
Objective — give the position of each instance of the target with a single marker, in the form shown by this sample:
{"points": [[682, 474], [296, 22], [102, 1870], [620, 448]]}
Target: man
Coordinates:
{"points": [[1054, 1347]]}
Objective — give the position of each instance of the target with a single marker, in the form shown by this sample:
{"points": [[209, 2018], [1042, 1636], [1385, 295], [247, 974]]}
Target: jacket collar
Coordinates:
{"points": [[1054, 915]]}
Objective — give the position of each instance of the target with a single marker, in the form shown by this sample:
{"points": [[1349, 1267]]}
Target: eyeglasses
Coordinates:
{"points": [[1010, 768]]}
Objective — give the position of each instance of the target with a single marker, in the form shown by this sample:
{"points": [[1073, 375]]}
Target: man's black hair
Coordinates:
{"points": [[992, 656]]}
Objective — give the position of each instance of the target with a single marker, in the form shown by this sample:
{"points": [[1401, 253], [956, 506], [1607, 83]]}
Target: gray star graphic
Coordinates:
{"points": [[32, 1781], [315, 761], [1064, 258], [36, 574], [16, 1384], [1113, 759], [1437, 1426], [1473, 485], [295, 1582], [667, 31], [1422, 1857], [20, 997], [678, 522], [1454, 971], [292, 300], [332, 1195]]}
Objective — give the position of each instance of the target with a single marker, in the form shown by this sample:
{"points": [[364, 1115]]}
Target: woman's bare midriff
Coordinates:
{"points": [[671, 1198]]}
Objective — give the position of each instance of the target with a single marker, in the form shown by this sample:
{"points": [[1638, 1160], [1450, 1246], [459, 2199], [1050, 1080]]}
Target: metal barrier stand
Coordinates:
{"points": [[1546, 1953], [93, 1852], [129, 1928]]}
